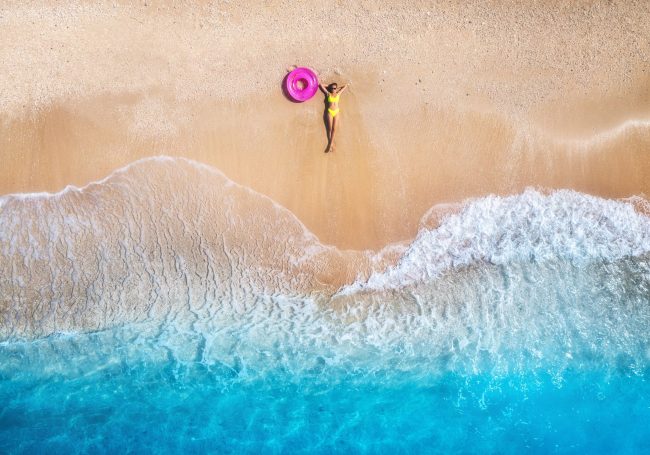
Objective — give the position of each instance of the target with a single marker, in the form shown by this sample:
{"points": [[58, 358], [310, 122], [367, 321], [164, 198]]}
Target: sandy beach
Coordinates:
{"points": [[448, 101]]}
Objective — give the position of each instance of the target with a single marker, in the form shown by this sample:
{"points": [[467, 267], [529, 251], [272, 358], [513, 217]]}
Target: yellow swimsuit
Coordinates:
{"points": [[333, 99]]}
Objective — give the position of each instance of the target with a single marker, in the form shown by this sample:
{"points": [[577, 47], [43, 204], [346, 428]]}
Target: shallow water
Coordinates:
{"points": [[167, 309]]}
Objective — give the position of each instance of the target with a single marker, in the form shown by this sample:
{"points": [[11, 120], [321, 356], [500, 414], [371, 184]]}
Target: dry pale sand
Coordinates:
{"points": [[449, 100]]}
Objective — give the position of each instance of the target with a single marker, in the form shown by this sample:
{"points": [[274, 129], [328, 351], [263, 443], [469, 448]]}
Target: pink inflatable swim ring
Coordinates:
{"points": [[301, 84]]}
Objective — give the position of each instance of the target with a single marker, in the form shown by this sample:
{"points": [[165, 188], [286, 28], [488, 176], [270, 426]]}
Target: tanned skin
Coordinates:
{"points": [[330, 120]]}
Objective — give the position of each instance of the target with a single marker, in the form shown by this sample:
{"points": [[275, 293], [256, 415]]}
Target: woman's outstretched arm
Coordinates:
{"points": [[322, 88]]}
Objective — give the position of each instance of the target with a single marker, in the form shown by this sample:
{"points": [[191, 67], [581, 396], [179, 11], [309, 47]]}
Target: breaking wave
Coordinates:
{"points": [[218, 272], [168, 287], [531, 227]]}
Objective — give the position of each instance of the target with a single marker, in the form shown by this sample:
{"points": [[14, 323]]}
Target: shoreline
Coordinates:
{"points": [[370, 192]]}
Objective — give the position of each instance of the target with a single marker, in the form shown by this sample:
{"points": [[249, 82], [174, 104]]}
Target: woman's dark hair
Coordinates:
{"points": [[332, 87]]}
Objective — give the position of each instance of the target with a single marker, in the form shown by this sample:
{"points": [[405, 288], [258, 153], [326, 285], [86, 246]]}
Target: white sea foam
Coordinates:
{"points": [[121, 249], [528, 227], [170, 161], [172, 251]]}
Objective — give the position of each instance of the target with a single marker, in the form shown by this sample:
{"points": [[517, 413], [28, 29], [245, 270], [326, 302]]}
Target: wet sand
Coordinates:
{"points": [[447, 102]]}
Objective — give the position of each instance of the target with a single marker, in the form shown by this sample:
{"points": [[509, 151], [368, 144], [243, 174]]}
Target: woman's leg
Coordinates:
{"points": [[333, 129], [328, 124]]}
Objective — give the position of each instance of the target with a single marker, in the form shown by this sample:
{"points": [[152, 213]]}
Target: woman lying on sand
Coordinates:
{"points": [[332, 105]]}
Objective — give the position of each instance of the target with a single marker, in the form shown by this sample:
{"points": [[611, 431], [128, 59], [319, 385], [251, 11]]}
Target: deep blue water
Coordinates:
{"points": [[173, 407]]}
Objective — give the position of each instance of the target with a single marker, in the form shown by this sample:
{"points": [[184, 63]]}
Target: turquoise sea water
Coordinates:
{"points": [[169, 407]]}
